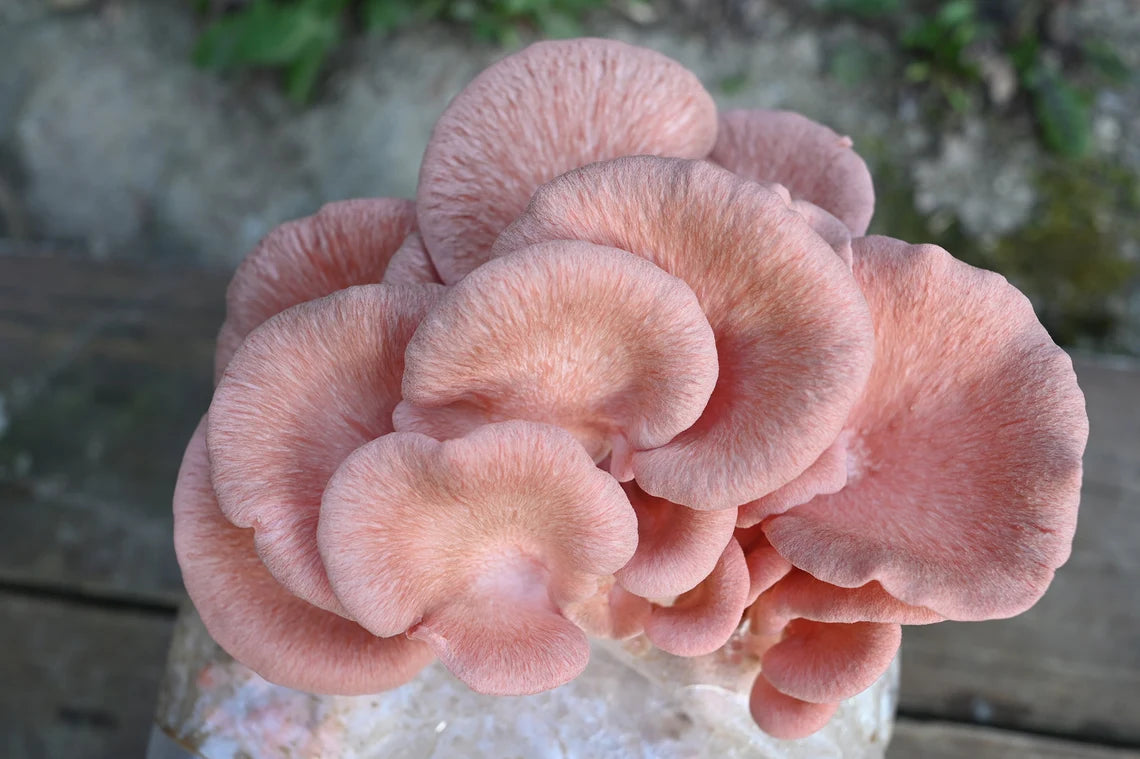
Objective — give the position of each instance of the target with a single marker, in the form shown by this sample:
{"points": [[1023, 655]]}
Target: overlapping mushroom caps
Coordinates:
{"points": [[669, 389]]}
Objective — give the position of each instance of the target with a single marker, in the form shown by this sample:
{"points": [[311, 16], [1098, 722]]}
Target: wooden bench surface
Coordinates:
{"points": [[104, 372]]}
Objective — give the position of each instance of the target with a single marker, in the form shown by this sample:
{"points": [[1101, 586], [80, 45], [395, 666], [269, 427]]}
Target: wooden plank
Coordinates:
{"points": [[939, 740], [77, 681], [1072, 663], [104, 372]]}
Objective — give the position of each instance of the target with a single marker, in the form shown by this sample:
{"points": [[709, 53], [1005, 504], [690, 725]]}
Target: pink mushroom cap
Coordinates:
{"points": [[799, 595], [677, 547], [703, 619], [595, 340], [827, 662], [964, 453], [813, 161], [793, 332], [258, 622], [474, 545], [550, 108], [784, 717], [307, 388], [346, 243]]}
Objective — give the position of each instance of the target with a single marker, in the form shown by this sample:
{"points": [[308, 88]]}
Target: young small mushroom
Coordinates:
{"points": [[793, 333], [827, 662], [595, 340], [703, 619], [543, 111], [815, 163], [799, 595], [475, 546], [677, 547], [307, 388], [784, 717], [260, 623]]}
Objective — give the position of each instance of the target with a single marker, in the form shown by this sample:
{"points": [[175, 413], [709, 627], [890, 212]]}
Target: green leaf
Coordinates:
{"points": [[269, 34], [956, 12], [388, 15], [1064, 116], [301, 76]]}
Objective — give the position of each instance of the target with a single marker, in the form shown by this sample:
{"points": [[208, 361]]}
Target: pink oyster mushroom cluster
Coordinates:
{"points": [[627, 366]]}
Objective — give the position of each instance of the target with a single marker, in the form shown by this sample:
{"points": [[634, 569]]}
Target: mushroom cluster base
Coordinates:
{"points": [[631, 701]]}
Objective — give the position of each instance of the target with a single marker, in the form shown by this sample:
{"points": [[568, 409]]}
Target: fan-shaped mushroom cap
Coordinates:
{"points": [[793, 333], [965, 449], [826, 662], [799, 595], [703, 619], [812, 161], [307, 388], [677, 547], [474, 544], [345, 243], [784, 717], [258, 622], [550, 108], [594, 340]]}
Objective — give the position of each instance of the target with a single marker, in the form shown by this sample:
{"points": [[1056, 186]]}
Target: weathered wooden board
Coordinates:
{"points": [[940, 740], [76, 681], [104, 372], [1072, 663]]}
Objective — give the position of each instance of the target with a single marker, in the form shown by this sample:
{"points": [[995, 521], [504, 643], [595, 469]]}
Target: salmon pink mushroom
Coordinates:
{"points": [[703, 619], [346, 243], [793, 333], [595, 340], [964, 452], [785, 717], [305, 389], [677, 547], [815, 163], [260, 623], [824, 434], [474, 545], [536, 114]]}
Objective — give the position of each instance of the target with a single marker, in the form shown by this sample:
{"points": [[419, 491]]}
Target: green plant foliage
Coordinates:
{"points": [[940, 39], [1064, 115], [943, 39], [296, 37]]}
